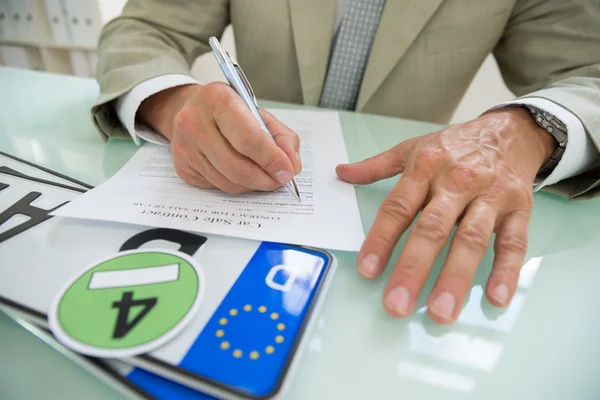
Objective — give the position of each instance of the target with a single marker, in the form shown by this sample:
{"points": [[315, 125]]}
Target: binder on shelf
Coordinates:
{"points": [[57, 60], [29, 22], [21, 57], [79, 63], [22, 20], [8, 23], [93, 62], [4, 18], [83, 21], [57, 21], [14, 56]]}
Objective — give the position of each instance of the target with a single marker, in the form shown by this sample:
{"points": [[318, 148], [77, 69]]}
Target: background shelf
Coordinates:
{"points": [[58, 36]]}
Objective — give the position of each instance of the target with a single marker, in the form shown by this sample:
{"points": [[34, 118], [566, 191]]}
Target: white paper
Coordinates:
{"points": [[147, 191]]}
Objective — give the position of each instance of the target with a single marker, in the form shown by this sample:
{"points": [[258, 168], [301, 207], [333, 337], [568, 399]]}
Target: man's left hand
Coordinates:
{"points": [[479, 176]]}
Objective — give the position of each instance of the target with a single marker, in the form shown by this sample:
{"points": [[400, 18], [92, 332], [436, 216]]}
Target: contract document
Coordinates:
{"points": [[147, 191]]}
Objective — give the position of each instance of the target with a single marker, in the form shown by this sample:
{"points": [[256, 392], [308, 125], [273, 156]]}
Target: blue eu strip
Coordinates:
{"points": [[250, 338], [163, 389], [248, 341]]}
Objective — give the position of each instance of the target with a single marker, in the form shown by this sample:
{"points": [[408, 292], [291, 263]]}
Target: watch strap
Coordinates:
{"points": [[557, 129]]}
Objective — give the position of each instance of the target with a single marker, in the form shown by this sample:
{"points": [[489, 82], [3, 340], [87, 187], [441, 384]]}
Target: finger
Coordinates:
{"points": [[197, 180], [381, 166], [467, 249], [202, 135], [192, 177], [235, 167], [393, 217], [422, 247], [286, 139], [201, 165], [243, 131], [510, 247]]}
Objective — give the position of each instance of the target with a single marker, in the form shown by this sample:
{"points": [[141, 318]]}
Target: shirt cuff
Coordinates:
{"points": [[127, 105], [580, 154]]}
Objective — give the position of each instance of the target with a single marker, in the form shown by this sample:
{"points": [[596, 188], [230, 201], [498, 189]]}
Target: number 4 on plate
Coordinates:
{"points": [[123, 326]]}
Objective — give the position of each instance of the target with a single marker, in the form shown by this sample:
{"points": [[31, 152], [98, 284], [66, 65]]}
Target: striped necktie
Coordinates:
{"points": [[350, 53]]}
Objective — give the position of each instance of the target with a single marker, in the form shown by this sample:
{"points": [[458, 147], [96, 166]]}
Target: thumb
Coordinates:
{"points": [[383, 165], [286, 139]]}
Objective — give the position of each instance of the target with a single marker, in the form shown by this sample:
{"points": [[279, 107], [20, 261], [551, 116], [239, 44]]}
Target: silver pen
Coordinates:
{"points": [[238, 81]]}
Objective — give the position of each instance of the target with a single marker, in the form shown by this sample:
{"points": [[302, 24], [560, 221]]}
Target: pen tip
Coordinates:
{"points": [[294, 190]]}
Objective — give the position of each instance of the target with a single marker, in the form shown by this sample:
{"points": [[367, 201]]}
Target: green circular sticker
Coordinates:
{"points": [[128, 304]]}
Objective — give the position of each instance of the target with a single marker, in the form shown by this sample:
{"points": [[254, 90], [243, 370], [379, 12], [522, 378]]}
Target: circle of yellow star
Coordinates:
{"points": [[253, 355]]}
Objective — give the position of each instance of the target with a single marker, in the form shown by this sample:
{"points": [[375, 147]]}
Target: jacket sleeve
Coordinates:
{"points": [[149, 39], [551, 50]]}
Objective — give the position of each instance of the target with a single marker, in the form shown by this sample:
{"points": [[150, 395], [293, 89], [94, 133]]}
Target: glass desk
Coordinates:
{"points": [[545, 345]]}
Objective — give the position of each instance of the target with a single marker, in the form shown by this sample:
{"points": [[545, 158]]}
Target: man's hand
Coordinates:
{"points": [[216, 141], [478, 176]]}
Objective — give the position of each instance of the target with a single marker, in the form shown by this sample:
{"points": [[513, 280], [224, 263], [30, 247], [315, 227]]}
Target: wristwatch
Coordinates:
{"points": [[556, 128]]}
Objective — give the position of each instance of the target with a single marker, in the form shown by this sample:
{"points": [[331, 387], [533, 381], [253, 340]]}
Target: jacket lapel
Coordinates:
{"points": [[312, 24], [400, 24]]}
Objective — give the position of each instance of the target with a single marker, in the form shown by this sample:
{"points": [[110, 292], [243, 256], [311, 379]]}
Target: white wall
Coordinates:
{"points": [[110, 9], [205, 68], [486, 89]]}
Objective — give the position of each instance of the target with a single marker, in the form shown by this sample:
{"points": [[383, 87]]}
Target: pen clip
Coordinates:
{"points": [[244, 80]]}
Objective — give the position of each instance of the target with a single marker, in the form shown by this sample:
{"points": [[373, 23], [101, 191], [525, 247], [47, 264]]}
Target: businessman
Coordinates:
{"points": [[412, 59]]}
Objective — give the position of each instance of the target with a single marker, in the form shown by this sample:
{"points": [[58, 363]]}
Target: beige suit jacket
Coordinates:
{"points": [[425, 54]]}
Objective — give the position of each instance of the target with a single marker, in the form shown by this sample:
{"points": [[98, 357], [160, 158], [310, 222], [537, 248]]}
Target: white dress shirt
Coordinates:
{"points": [[579, 156]]}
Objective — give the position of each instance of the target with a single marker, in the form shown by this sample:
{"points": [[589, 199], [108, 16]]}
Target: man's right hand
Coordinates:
{"points": [[216, 141]]}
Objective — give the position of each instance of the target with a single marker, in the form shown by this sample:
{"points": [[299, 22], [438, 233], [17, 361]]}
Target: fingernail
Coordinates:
{"points": [[298, 156], [500, 293], [283, 176], [398, 300], [369, 266], [443, 305]]}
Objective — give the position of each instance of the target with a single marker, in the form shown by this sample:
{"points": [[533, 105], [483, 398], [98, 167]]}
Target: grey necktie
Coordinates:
{"points": [[350, 53]]}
